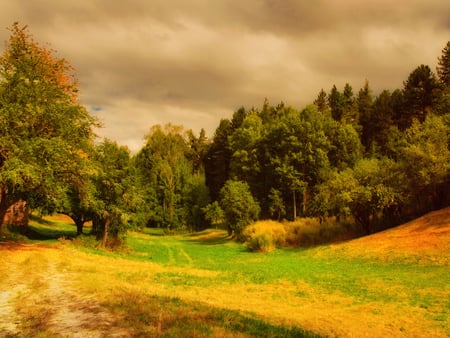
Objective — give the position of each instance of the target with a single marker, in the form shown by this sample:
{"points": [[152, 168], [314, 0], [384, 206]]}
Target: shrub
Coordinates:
{"points": [[238, 205], [310, 231], [264, 236]]}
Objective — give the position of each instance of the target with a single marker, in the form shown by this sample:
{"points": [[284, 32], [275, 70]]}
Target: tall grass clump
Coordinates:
{"points": [[264, 236], [310, 232]]}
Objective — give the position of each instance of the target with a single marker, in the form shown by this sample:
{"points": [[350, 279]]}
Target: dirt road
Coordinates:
{"points": [[38, 296]]}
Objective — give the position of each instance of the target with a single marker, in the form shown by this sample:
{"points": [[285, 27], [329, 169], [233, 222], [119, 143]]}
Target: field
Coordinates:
{"points": [[391, 284]]}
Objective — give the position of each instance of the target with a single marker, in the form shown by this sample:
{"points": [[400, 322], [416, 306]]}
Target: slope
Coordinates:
{"points": [[425, 240]]}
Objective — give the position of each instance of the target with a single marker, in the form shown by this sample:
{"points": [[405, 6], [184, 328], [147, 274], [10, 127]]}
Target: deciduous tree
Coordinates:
{"points": [[238, 205], [112, 185], [44, 131]]}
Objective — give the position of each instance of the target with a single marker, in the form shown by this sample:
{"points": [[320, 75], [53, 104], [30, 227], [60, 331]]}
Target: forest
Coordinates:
{"points": [[375, 159]]}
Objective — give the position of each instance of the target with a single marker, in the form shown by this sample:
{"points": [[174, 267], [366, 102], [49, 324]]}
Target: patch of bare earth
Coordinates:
{"points": [[38, 297]]}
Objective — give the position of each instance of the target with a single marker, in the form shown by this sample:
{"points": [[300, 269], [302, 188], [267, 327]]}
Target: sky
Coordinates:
{"points": [[194, 62]]}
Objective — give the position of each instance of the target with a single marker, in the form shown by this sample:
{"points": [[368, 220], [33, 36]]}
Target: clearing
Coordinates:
{"points": [[394, 283]]}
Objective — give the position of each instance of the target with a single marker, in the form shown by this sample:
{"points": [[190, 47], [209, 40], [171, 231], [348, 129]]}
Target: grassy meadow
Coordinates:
{"points": [[204, 284]]}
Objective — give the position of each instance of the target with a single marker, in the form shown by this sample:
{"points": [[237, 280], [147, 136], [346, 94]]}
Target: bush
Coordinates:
{"points": [[264, 236], [238, 205], [309, 232]]}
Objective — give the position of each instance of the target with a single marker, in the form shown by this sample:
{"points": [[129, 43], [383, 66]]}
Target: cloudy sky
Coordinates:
{"points": [[193, 62]]}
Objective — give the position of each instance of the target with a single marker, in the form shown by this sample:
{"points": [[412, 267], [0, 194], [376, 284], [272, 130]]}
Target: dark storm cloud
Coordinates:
{"points": [[193, 62]]}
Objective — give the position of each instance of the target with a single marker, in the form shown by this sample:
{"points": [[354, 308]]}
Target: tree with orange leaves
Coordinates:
{"points": [[44, 132]]}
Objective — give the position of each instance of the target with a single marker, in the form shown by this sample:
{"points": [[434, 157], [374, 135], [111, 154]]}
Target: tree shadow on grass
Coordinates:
{"points": [[39, 229], [151, 315]]}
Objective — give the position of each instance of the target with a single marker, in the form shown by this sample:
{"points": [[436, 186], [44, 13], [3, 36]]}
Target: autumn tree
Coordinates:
{"points": [[44, 131]]}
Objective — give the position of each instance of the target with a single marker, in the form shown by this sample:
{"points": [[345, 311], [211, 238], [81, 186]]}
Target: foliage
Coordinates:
{"points": [[264, 236], [377, 158], [443, 68], [344, 155], [238, 205], [112, 185], [214, 214], [195, 200], [44, 131], [267, 235], [276, 204], [425, 159], [421, 93], [170, 179], [217, 159]]}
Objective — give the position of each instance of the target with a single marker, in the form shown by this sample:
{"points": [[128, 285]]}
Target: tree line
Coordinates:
{"points": [[379, 159]]}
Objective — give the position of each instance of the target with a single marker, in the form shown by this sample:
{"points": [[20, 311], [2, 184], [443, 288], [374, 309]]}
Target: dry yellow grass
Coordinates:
{"points": [[71, 288], [425, 240]]}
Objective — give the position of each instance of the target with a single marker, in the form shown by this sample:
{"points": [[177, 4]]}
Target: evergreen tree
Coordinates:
{"points": [[350, 111], [382, 120], [422, 93], [336, 101], [321, 102], [443, 71], [365, 106], [217, 159], [443, 68]]}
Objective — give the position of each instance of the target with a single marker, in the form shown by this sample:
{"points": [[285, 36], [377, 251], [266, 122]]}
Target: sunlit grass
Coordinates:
{"points": [[51, 227], [393, 290], [205, 284]]}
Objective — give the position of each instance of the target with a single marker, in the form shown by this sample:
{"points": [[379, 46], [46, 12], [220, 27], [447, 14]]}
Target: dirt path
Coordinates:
{"points": [[38, 296]]}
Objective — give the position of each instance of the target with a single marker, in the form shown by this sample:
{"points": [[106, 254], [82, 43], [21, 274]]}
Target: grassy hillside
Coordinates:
{"points": [[425, 240], [392, 284]]}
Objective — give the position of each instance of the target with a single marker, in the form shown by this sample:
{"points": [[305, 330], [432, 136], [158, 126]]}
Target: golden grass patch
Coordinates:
{"points": [[87, 284], [425, 240]]}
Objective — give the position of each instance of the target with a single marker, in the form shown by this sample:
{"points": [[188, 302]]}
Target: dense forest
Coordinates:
{"points": [[376, 158]]}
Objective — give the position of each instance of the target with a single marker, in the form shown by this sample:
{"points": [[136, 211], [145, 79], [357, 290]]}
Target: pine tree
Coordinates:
{"points": [[443, 68]]}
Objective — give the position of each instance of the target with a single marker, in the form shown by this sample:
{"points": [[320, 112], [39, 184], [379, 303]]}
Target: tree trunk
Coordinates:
{"points": [[294, 205], [305, 201], [5, 203], [79, 223], [106, 229]]}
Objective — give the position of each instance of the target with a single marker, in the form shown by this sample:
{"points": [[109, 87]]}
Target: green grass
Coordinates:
{"points": [[364, 280], [383, 289], [287, 264], [45, 229]]}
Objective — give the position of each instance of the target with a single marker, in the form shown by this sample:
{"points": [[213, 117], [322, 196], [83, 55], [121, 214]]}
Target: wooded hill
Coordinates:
{"points": [[377, 159]]}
